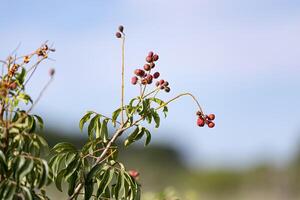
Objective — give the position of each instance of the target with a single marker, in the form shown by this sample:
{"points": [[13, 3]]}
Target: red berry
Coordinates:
{"points": [[133, 173], [134, 80], [147, 67], [211, 116], [156, 75], [150, 54], [121, 28], [118, 35], [167, 89], [149, 77], [155, 57], [161, 82], [149, 59], [152, 65], [211, 125], [139, 72], [200, 122]]}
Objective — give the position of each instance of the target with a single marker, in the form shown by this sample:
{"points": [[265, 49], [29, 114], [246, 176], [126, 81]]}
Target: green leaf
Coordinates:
{"points": [[64, 147], [92, 125], [40, 121], [93, 172], [104, 131], [26, 168], [84, 119], [59, 178], [157, 100], [119, 189], [155, 117], [88, 190], [130, 138], [73, 166], [44, 174], [115, 115], [27, 193], [9, 191], [24, 97], [21, 76], [18, 164], [3, 164], [105, 181], [148, 137], [72, 183], [165, 111]]}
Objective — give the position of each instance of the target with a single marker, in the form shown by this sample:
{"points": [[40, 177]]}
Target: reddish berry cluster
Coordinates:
{"points": [[144, 76], [205, 119], [163, 85]]}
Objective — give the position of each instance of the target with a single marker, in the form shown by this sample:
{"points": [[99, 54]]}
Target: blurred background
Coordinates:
{"points": [[239, 57]]}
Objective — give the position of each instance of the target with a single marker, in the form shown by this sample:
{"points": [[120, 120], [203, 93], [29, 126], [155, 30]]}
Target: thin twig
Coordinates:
{"points": [[180, 95], [123, 60], [41, 94]]}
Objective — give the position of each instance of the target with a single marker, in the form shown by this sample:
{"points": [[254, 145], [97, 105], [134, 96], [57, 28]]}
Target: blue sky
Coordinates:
{"points": [[241, 58]]}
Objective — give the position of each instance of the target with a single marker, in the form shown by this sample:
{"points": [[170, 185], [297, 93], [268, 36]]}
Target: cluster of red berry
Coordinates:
{"points": [[205, 119], [145, 77]]}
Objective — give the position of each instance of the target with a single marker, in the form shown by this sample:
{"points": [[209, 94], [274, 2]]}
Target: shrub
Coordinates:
{"points": [[92, 171]]}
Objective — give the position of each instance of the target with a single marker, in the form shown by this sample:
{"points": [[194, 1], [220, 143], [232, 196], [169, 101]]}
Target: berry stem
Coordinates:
{"points": [[146, 95], [122, 98], [178, 96], [41, 94]]}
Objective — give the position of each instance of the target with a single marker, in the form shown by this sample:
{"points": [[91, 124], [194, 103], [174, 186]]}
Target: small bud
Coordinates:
{"points": [[51, 72], [198, 113], [121, 28], [150, 54], [149, 59], [13, 86], [157, 83], [167, 89], [161, 87], [155, 57], [156, 75], [134, 80], [118, 35], [147, 67], [26, 59], [211, 125]]}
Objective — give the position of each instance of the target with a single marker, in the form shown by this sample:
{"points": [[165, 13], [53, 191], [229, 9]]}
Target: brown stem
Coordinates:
{"points": [[122, 98], [180, 95], [102, 156]]}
